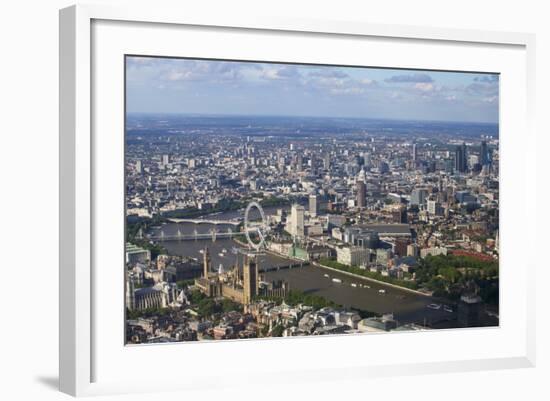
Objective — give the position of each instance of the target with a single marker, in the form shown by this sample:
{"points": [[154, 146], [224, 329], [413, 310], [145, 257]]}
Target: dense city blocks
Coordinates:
{"points": [[251, 226]]}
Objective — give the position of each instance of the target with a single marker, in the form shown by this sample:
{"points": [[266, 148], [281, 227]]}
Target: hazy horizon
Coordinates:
{"points": [[233, 88]]}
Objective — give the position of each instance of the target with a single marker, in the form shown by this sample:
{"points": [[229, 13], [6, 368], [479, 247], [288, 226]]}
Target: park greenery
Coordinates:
{"points": [[133, 227], [368, 274], [185, 283], [277, 330], [207, 307], [451, 276]]}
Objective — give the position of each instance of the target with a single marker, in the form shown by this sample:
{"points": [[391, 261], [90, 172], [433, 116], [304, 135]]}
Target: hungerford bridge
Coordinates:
{"points": [[211, 234], [235, 222]]}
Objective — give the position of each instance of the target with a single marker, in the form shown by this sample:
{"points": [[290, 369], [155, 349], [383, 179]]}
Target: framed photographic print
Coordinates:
{"points": [[337, 199]]}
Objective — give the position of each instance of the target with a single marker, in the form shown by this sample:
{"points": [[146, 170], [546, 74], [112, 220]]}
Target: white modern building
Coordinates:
{"points": [[296, 223]]}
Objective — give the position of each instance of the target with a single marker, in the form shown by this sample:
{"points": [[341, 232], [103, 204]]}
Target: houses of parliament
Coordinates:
{"points": [[239, 287]]}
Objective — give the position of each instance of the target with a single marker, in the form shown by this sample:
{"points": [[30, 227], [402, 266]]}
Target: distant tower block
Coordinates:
{"points": [[297, 220], [461, 158], [361, 192], [326, 161], [313, 204], [206, 262], [250, 279]]}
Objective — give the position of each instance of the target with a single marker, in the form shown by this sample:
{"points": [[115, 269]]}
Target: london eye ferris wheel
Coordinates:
{"points": [[255, 231]]}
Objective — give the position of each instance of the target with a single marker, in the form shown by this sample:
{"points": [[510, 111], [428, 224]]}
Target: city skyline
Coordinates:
{"points": [[214, 87]]}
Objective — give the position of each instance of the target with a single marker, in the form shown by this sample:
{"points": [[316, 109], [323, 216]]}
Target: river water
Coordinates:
{"points": [[406, 306]]}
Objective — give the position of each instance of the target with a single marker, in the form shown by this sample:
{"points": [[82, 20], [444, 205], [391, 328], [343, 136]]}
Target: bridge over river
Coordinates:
{"points": [[212, 234], [234, 222]]}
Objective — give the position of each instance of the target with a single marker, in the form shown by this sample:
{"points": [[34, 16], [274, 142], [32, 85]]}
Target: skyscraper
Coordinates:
{"points": [[361, 188], [313, 204], [461, 158], [250, 279], [299, 163], [484, 155], [297, 220], [326, 161], [414, 152], [361, 194]]}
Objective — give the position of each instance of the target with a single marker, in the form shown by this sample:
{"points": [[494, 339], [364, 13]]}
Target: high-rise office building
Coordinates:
{"points": [[361, 194], [313, 205], [361, 188], [250, 279], [368, 161], [299, 162], [139, 167], [282, 164], [297, 220], [434, 208], [326, 161], [484, 154], [461, 158], [165, 160], [414, 152]]}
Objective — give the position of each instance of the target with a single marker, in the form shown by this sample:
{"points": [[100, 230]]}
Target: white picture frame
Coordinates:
{"points": [[81, 347]]}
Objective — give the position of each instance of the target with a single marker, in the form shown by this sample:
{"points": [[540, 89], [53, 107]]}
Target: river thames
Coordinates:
{"points": [[350, 292]]}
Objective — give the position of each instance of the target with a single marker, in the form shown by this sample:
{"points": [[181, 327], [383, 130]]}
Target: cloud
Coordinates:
{"points": [[482, 89], [328, 73], [338, 83], [424, 86], [342, 88], [490, 78], [199, 70], [276, 72], [410, 78], [347, 91], [485, 86], [490, 99]]}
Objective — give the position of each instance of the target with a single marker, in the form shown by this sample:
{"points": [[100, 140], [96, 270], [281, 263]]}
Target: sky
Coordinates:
{"points": [[193, 86]]}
